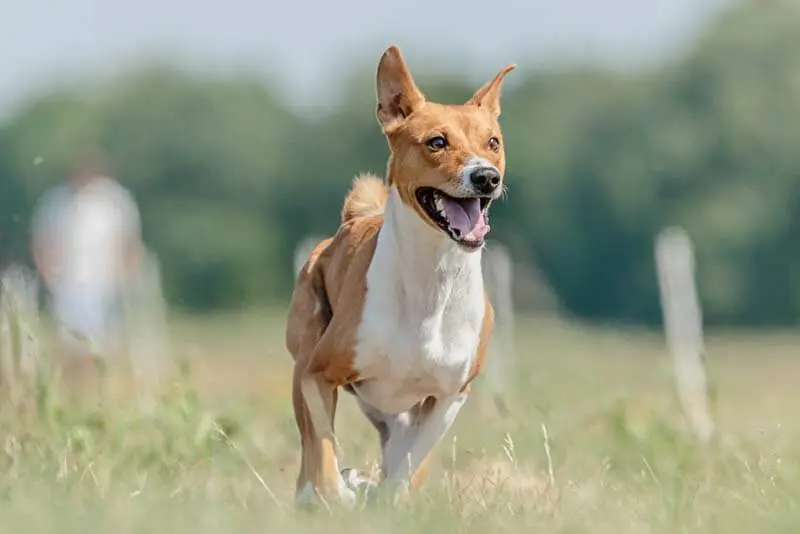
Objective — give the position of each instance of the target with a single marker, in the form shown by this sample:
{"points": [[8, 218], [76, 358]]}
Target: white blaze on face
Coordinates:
{"points": [[465, 187]]}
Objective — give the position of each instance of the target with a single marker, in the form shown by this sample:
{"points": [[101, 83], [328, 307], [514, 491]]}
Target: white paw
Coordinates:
{"points": [[347, 496], [362, 486]]}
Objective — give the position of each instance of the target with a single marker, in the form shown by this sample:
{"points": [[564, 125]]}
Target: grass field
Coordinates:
{"points": [[220, 451]]}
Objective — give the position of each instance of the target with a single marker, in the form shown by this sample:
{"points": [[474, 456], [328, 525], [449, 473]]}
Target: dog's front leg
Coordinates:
{"points": [[315, 406], [407, 451]]}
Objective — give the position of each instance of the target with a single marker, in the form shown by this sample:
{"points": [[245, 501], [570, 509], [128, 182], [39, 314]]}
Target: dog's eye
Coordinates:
{"points": [[494, 144], [437, 143]]}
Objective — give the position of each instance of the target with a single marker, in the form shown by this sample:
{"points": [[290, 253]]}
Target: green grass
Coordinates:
{"points": [[220, 451]]}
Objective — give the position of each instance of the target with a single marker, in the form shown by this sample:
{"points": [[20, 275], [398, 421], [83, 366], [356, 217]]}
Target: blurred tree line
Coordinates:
{"points": [[228, 180]]}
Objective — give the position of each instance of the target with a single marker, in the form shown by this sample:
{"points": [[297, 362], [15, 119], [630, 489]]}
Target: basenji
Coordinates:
{"points": [[393, 308]]}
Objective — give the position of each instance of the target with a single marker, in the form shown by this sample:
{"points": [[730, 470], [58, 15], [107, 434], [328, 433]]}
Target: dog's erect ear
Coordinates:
{"points": [[398, 96], [488, 96]]}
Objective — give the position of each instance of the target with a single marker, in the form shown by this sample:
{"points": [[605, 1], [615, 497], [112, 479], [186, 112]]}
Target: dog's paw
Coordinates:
{"points": [[353, 479], [347, 495], [364, 488]]}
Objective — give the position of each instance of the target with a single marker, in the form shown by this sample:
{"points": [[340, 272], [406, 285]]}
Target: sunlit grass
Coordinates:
{"points": [[220, 451]]}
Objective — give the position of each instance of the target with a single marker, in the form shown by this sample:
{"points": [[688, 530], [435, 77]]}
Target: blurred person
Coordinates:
{"points": [[86, 245]]}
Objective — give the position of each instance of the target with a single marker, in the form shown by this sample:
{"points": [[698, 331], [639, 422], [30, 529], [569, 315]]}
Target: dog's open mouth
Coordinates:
{"points": [[465, 220]]}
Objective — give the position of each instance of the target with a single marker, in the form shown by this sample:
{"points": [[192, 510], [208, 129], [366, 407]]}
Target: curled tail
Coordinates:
{"points": [[367, 197]]}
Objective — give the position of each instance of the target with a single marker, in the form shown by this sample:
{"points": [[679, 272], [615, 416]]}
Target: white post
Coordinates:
{"points": [[7, 368], [683, 326], [19, 328]]}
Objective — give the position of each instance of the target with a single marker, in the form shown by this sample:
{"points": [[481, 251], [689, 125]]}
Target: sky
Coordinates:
{"points": [[308, 45]]}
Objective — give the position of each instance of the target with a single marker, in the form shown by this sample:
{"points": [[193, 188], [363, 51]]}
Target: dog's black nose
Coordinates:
{"points": [[485, 179]]}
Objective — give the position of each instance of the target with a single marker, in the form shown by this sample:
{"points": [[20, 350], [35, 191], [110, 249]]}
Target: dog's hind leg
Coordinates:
{"points": [[315, 408], [313, 397]]}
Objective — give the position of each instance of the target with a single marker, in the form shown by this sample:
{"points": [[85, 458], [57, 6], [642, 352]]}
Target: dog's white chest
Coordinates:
{"points": [[403, 360], [420, 329]]}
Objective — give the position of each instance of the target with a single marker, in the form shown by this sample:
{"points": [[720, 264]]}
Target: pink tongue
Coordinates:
{"points": [[465, 216]]}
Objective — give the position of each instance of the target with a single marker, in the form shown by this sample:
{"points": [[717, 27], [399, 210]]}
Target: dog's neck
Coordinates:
{"points": [[428, 271]]}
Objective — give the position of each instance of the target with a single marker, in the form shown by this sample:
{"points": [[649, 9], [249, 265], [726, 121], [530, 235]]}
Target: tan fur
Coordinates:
{"points": [[367, 198], [328, 300], [320, 335]]}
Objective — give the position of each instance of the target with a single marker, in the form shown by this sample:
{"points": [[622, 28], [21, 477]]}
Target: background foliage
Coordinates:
{"points": [[228, 179]]}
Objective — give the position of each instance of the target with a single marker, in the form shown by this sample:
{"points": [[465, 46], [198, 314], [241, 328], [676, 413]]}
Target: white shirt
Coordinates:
{"points": [[88, 229]]}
